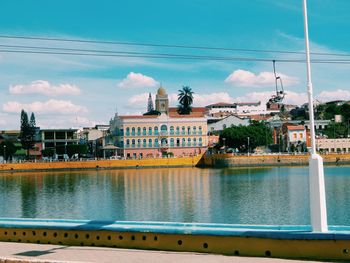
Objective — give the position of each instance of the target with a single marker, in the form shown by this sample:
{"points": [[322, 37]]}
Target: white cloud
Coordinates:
{"points": [[338, 94], [47, 107], [244, 78], [139, 101], [137, 80], [45, 88]]}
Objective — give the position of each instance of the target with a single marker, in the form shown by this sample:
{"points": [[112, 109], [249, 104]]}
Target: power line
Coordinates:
{"points": [[169, 45], [174, 56]]}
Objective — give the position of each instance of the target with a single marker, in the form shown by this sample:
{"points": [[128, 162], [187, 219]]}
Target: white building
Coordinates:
{"points": [[250, 108], [341, 145], [227, 122]]}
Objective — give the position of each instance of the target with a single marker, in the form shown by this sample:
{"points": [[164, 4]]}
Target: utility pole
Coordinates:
{"points": [[318, 210]]}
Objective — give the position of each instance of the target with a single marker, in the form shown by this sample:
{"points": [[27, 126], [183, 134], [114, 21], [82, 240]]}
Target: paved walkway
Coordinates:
{"points": [[20, 252]]}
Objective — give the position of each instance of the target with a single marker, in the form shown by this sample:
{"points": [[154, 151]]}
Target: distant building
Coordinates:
{"points": [[295, 137], [341, 145], [221, 109], [220, 124], [53, 138], [158, 135]]}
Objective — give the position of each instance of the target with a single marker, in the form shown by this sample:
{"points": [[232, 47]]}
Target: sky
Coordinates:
{"points": [[67, 91]]}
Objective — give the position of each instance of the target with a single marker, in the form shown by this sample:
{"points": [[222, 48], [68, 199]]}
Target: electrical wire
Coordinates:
{"points": [[169, 45]]}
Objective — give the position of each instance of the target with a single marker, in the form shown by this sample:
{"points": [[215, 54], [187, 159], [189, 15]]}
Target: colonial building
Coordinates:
{"points": [[166, 133]]}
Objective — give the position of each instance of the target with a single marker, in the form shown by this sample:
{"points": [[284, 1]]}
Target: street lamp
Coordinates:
{"points": [[334, 135], [248, 146], [4, 153]]}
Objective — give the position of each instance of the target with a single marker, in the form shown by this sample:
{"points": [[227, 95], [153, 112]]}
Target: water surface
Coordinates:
{"points": [[276, 195]]}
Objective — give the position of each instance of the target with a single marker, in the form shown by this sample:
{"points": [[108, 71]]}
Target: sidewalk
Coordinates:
{"points": [[19, 252]]}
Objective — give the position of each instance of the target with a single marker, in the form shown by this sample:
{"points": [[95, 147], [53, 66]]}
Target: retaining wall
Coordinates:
{"points": [[101, 164], [229, 160]]}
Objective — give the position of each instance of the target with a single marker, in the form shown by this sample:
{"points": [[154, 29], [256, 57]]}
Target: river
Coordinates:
{"points": [[277, 195]]}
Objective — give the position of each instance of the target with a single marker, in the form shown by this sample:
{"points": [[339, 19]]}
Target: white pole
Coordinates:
{"points": [[318, 210]]}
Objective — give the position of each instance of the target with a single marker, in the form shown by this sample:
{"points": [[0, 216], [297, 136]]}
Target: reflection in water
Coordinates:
{"points": [[240, 196]]}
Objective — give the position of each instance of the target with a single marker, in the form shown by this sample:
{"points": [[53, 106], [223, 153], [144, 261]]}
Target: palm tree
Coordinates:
{"points": [[185, 99]]}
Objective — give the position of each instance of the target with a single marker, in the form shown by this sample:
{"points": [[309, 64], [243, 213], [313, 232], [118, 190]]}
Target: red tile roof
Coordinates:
{"points": [[295, 127]]}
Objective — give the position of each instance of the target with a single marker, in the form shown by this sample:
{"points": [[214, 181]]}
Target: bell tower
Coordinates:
{"points": [[162, 101]]}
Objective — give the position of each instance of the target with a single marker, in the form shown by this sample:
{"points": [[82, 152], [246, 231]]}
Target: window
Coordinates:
{"points": [[171, 130], [139, 143], [150, 131], [133, 131], [156, 131], [177, 142], [163, 129], [183, 130], [156, 143], [177, 130], [200, 130], [183, 142], [144, 131], [138, 131], [200, 142], [149, 142], [172, 142], [300, 135], [294, 136], [127, 143], [133, 143], [127, 131], [189, 142], [194, 130], [144, 143], [194, 142], [188, 130]]}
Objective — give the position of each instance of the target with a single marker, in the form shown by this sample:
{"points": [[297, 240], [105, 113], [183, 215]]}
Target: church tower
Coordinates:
{"points": [[162, 101]]}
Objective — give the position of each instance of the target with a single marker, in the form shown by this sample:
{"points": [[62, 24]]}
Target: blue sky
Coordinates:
{"points": [[71, 91]]}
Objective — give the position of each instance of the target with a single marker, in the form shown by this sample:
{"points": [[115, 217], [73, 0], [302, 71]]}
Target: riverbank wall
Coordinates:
{"points": [[229, 160], [102, 164]]}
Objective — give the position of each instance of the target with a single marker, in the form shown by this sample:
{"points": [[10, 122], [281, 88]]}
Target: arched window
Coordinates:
{"points": [[127, 143], [189, 130], [150, 131], [194, 130], [149, 142], [156, 144], [177, 130], [189, 142], [133, 131], [200, 141], [194, 142], [183, 130], [171, 130], [183, 142], [156, 131], [144, 143], [172, 142], [138, 143], [144, 131], [133, 143], [138, 131], [177, 142], [163, 129], [127, 131], [200, 130]]}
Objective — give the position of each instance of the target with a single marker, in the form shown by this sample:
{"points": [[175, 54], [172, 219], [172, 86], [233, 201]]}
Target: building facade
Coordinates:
{"points": [[157, 135], [341, 145]]}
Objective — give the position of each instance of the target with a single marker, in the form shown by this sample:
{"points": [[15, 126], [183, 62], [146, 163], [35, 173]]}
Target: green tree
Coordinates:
{"points": [[27, 132], [7, 149], [237, 136], [185, 98]]}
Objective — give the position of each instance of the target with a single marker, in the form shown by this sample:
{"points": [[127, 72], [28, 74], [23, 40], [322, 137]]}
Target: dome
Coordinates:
{"points": [[161, 91]]}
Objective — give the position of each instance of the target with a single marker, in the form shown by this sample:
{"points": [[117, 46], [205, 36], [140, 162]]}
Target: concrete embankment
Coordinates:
{"points": [[101, 164], [229, 160]]}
